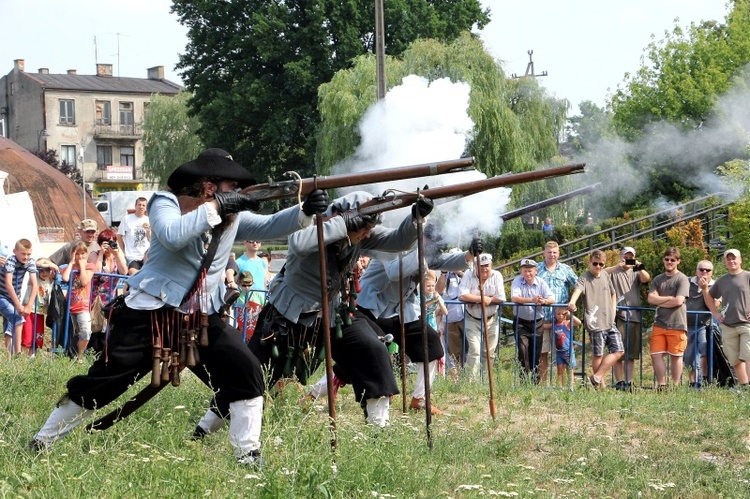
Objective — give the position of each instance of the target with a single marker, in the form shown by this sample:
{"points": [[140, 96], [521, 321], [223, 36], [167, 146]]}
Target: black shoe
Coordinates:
{"points": [[661, 389], [252, 459], [37, 446], [695, 385], [199, 433], [621, 386]]}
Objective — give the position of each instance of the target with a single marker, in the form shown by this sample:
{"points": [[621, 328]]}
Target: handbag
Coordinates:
{"points": [[97, 315]]}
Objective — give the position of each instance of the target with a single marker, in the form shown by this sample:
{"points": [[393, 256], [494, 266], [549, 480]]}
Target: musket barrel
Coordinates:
{"points": [[392, 202], [510, 215], [289, 188]]}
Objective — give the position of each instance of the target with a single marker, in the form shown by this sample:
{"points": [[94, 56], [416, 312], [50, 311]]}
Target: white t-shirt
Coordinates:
{"points": [[134, 235]]}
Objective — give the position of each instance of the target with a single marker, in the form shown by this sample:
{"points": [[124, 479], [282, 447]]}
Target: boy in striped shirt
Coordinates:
{"points": [[13, 312]]}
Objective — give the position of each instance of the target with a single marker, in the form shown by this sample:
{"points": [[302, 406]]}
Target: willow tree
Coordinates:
{"points": [[516, 125], [170, 136]]}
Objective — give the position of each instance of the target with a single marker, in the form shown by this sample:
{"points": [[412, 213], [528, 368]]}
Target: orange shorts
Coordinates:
{"points": [[671, 341]]}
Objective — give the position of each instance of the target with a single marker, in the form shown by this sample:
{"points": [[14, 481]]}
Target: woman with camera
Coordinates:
{"points": [[108, 259]]}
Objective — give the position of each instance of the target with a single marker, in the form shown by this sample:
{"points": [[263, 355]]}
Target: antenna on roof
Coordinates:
{"points": [[96, 52]]}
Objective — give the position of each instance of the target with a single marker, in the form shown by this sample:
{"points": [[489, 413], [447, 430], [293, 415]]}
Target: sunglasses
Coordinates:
{"points": [[246, 285], [705, 270], [598, 264], [670, 260]]}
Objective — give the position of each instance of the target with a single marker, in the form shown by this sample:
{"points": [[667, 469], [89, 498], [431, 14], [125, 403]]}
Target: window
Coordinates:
{"points": [[103, 112], [127, 119], [127, 156], [68, 155], [67, 112], [103, 156]]}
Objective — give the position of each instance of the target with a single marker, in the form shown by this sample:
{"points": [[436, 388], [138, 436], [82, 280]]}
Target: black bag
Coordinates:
{"points": [[56, 314], [57, 305]]}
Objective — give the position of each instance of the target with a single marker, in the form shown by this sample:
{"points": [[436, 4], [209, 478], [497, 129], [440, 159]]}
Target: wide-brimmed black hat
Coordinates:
{"points": [[210, 163]]}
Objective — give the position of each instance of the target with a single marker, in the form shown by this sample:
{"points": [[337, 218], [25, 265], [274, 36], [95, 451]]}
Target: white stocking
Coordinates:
{"points": [[62, 421], [419, 387], [211, 422], [244, 425], [378, 413]]}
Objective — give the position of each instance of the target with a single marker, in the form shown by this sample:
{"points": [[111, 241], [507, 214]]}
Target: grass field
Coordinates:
{"points": [[544, 442]]}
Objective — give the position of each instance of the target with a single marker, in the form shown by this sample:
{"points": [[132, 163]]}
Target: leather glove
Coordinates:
{"points": [[233, 202], [356, 222], [477, 246], [423, 205], [316, 202]]}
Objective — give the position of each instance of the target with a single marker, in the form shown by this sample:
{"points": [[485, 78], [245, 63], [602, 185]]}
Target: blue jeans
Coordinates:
{"points": [[695, 335]]}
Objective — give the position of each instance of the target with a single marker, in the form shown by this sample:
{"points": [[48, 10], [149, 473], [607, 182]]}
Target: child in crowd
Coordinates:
{"points": [[563, 340], [434, 304], [33, 327], [249, 304], [13, 312], [80, 299], [434, 307]]}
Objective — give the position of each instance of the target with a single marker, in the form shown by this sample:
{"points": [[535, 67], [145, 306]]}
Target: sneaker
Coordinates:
{"points": [[252, 459], [661, 389], [596, 381], [418, 404], [621, 386]]}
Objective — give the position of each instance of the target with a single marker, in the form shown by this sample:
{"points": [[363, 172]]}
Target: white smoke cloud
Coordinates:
{"points": [[693, 154], [422, 122]]}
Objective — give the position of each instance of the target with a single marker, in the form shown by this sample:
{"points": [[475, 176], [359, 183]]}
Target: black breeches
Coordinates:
{"points": [[225, 365]]}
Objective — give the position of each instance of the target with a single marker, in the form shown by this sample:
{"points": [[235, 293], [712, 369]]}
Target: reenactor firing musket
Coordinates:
{"points": [[510, 215], [293, 188]]}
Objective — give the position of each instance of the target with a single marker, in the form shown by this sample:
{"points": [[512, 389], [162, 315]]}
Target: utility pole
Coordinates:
{"points": [[380, 49], [529, 68]]}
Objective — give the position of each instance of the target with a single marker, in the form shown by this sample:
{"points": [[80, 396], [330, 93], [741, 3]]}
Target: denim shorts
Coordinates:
{"points": [[10, 317]]}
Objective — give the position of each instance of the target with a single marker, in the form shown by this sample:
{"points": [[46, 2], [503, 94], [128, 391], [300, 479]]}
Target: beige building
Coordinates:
{"points": [[94, 122]]}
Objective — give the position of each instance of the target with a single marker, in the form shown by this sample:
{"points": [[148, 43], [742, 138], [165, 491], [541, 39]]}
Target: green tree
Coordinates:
{"points": [[683, 75], [516, 125], [254, 66], [170, 136], [584, 131]]}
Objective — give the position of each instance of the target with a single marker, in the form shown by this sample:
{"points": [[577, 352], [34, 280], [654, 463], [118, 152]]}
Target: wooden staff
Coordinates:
{"points": [[402, 350], [486, 334], [326, 324], [422, 325]]}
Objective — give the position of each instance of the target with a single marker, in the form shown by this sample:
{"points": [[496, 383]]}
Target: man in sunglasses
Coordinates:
{"points": [[698, 324], [599, 302], [668, 292], [87, 231]]}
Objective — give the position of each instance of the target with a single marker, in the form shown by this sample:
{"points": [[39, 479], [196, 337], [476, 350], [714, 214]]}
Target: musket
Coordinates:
{"points": [[510, 215], [486, 337], [393, 201], [292, 188]]}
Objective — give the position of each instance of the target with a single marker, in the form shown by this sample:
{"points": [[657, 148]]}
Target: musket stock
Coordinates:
{"points": [[290, 188], [392, 201]]}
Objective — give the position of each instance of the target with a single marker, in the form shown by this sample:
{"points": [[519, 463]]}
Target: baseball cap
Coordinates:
{"points": [[87, 224], [734, 252], [627, 249], [485, 259], [528, 262]]}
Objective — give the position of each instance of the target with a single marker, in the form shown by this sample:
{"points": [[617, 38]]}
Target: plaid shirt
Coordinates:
{"points": [[559, 282]]}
